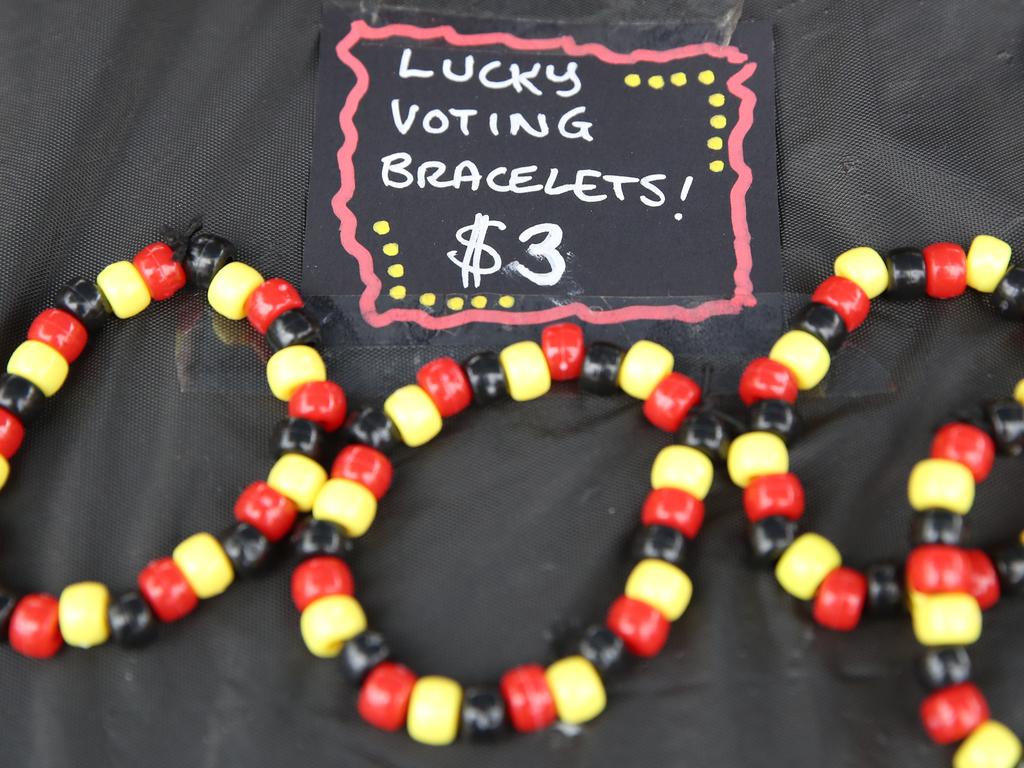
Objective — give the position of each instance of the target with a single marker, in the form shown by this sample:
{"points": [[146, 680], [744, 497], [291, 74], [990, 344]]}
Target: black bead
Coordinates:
{"points": [[84, 299], [483, 713], [769, 538], [362, 653], [132, 622], [372, 427], [942, 667], [907, 273], [885, 588], [292, 328], [601, 364], [7, 602], [602, 648], [246, 548], [1006, 418], [207, 255], [706, 431], [299, 436], [777, 417], [1009, 562], [659, 542], [486, 378], [313, 538], [937, 526], [824, 323], [21, 397], [1008, 297]]}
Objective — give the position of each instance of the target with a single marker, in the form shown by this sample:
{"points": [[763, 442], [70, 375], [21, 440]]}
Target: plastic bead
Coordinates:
{"points": [[1018, 391], [131, 620], [318, 577], [348, 504], [946, 267], [414, 415], [269, 301], [951, 714], [600, 372], [991, 745], [864, 267], [770, 495], [661, 585], [563, 347], [577, 690], [754, 454], [526, 370], [298, 478], [805, 564], [60, 330], [937, 568], [82, 614], [83, 299], [684, 468], [966, 443], [446, 383], [1007, 420], [204, 564], [267, 510], [885, 591], [34, 628], [839, 602], [486, 378], [769, 537], [384, 697], [942, 667], [124, 289], [804, 355], [674, 508], [40, 364], [322, 402], [661, 543], [528, 698], [1009, 562], [643, 366], [363, 653], [21, 397], [231, 288], [372, 428], [845, 297], [12, 432], [941, 484], [293, 328], [163, 275], [988, 258], [5, 471], [483, 714], [765, 379], [206, 256], [937, 526], [313, 538], [982, 579], [248, 550], [435, 709], [1008, 296], [775, 416], [706, 431], [290, 368], [328, 622], [167, 590], [823, 323], [671, 401], [364, 465], [953, 618], [908, 274], [298, 436], [602, 648], [642, 627]]}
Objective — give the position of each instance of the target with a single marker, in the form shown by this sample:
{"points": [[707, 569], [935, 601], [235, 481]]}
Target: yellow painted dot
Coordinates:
{"points": [[707, 77], [715, 142], [397, 292], [716, 166], [456, 303], [632, 80], [678, 79], [716, 99], [396, 270], [507, 302], [657, 82], [718, 121], [479, 301], [428, 299], [390, 249], [381, 227]]}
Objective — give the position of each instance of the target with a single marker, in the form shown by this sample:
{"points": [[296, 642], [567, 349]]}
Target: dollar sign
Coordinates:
{"points": [[472, 236]]}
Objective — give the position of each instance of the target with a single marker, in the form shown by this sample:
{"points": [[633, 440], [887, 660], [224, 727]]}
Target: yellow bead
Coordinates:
{"points": [[526, 370], [435, 708], [660, 585], [124, 289], [231, 287], [805, 564], [643, 367], [347, 503], [804, 355], [866, 268], [683, 467], [298, 478], [1018, 392], [754, 454], [41, 364], [941, 484], [988, 258], [328, 622], [205, 565], [950, 618], [291, 367], [990, 745], [577, 689], [5, 471], [414, 414], [82, 613]]}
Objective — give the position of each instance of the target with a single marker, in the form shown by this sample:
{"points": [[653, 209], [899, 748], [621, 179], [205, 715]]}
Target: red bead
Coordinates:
{"points": [[845, 297], [563, 347], [266, 303], [676, 509], [965, 443], [34, 629], [168, 593], [840, 599], [671, 400], [12, 432], [770, 495], [162, 274], [945, 269], [60, 330], [984, 579], [446, 383], [322, 402], [364, 465], [765, 379], [320, 576], [642, 627], [936, 568], [528, 699], [384, 697], [266, 510], [951, 714]]}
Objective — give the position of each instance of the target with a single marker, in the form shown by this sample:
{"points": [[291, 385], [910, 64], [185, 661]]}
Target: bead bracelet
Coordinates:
{"points": [[434, 709], [202, 566]]}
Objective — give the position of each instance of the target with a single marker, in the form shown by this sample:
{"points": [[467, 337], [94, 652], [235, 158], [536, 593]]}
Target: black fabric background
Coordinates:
{"points": [[899, 122]]}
